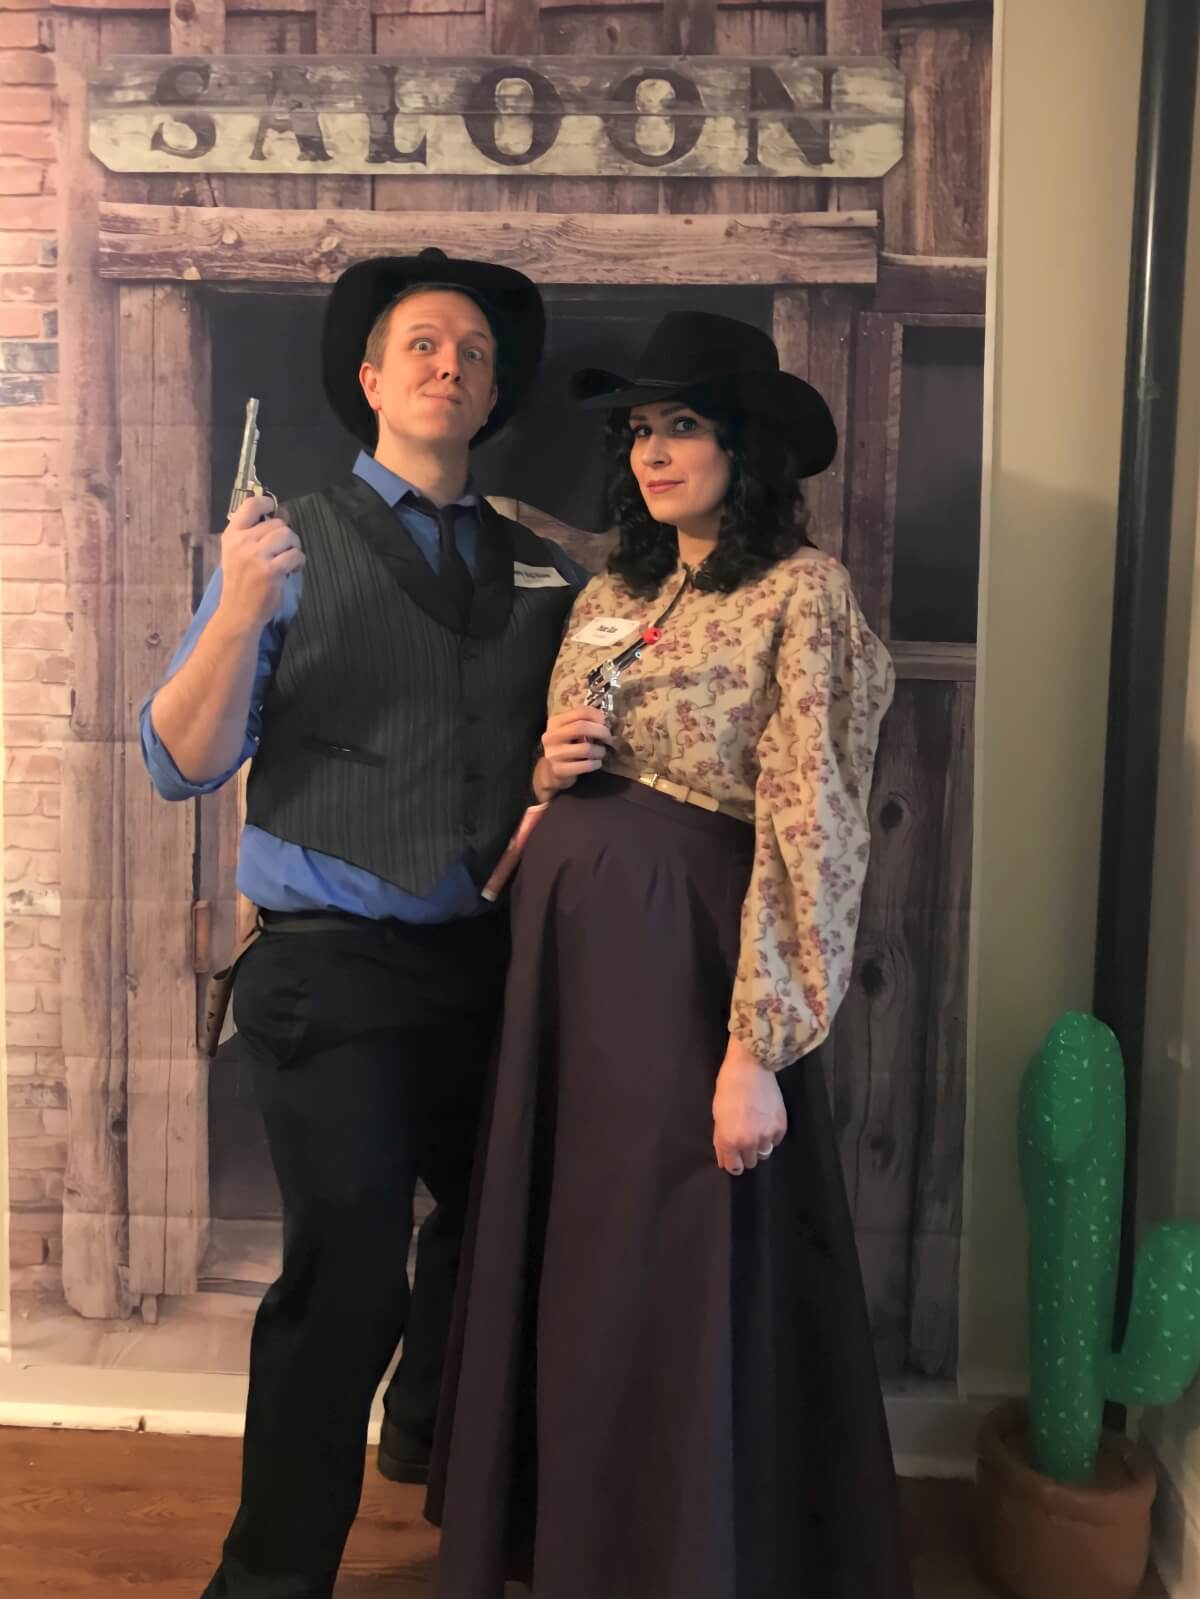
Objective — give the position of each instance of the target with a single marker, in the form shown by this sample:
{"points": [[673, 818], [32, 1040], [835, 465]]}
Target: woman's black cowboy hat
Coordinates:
{"points": [[509, 300], [697, 349]]}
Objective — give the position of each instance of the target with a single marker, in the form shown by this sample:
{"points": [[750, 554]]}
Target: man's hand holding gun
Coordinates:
{"points": [[200, 712], [258, 548]]}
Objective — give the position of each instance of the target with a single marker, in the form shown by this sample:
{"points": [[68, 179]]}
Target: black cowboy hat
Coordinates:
{"points": [[511, 303], [698, 349]]}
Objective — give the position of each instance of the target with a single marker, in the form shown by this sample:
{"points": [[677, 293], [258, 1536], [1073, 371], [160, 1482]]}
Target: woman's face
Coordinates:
{"points": [[680, 465]]}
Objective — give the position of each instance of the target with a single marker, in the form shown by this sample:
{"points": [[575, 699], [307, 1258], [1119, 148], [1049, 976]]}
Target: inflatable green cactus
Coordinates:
{"points": [[1072, 1144]]}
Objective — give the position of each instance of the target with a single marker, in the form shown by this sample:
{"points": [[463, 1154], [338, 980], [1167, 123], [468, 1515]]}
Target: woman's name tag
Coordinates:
{"points": [[605, 630]]}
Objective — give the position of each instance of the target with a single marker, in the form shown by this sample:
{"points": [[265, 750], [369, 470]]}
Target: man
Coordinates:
{"points": [[382, 655]]}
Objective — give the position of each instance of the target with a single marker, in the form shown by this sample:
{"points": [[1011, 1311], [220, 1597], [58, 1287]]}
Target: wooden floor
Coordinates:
{"points": [[110, 1514]]}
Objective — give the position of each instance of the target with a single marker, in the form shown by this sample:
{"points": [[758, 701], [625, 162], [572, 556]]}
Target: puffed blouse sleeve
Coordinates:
{"points": [[816, 756]]}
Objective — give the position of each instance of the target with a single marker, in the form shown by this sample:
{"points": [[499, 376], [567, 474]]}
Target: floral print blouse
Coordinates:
{"points": [[770, 700]]}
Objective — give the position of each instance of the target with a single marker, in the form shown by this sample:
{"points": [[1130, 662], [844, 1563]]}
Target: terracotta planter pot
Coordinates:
{"points": [[1043, 1539]]}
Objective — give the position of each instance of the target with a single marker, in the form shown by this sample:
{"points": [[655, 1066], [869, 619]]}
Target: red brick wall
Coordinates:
{"points": [[36, 633]]}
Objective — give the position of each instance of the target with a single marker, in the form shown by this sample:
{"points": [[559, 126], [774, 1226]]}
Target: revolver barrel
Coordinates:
{"points": [[246, 481]]}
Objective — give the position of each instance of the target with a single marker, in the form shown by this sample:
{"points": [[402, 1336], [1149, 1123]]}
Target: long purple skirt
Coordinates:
{"points": [[661, 1383]]}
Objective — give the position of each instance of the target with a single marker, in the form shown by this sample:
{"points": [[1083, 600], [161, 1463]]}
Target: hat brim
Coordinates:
{"points": [[782, 396], [510, 300], [597, 390]]}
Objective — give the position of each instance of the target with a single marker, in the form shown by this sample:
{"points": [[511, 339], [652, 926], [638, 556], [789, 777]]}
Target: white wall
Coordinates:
{"points": [[1067, 107]]}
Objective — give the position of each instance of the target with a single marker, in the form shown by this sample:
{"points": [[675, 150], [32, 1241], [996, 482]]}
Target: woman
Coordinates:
{"points": [[663, 1384]]}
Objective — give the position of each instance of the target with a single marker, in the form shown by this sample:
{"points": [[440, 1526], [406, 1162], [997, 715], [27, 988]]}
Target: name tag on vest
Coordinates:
{"points": [[538, 577]]}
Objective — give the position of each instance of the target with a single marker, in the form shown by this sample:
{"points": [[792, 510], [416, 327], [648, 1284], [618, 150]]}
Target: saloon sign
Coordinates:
{"points": [[710, 116]]}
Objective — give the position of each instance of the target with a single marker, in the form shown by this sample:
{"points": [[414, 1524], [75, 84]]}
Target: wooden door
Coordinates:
{"points": [[164, 521], [897, 1062]]}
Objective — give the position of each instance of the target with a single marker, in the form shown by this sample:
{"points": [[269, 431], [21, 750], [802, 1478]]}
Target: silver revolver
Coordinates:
{"points": [[246, 481], [604, 680]]}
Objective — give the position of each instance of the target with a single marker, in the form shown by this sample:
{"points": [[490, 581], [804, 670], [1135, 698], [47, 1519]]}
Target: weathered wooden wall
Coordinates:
{"points": [[899, 1062], [896, 1066]]}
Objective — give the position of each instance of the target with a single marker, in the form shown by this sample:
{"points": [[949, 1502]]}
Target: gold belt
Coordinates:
{"points": [[686, 796]]}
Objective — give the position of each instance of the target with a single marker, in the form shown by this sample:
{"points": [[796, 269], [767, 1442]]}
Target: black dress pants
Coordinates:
{"points": [[370, 1046]]}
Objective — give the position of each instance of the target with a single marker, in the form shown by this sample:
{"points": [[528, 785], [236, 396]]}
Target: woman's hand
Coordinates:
{"points": [[573, 744], [749, 1119]]}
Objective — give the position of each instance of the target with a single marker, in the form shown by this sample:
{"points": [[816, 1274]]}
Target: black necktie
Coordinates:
{"points": [[453, 570]]}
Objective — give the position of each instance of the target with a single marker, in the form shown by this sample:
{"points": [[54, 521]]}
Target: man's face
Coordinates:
{"points": [[437, 381]]}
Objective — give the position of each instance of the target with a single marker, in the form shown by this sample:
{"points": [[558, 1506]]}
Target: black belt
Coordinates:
{"points": [[332, 921], [318, 921]]}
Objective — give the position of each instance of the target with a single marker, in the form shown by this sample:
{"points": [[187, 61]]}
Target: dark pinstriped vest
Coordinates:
{"points": [[390, 739]]}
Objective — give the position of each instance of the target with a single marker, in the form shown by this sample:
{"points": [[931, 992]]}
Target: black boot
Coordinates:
{"points": [[403, 1457]]}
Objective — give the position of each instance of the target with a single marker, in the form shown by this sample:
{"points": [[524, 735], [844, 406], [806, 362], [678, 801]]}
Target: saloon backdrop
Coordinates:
{"points": [[819, 169]]}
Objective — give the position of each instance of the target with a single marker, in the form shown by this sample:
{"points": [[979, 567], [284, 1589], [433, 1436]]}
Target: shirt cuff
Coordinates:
{"points": [[774, 1052], [168, 780]]}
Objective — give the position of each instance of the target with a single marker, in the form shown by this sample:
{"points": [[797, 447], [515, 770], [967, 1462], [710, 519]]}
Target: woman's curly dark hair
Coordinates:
{"points": [[763, 519]]}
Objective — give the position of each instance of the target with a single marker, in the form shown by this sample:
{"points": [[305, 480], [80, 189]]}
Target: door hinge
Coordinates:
{"points": [[201, 937]]}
